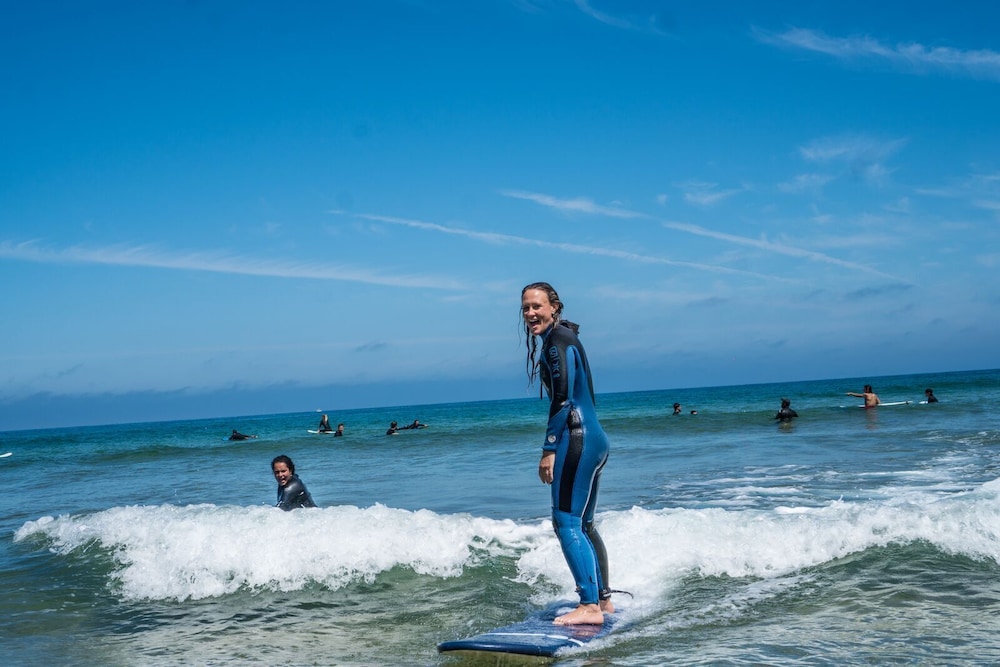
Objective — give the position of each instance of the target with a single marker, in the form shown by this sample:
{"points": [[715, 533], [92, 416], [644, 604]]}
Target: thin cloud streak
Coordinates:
{"points": [[578, 205], [149, 257], [494, 238], [914, 57], [778, 248], [739, 240]]}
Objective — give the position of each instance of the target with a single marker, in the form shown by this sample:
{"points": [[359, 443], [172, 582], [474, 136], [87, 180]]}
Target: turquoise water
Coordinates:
{"points": [[847, 537]]}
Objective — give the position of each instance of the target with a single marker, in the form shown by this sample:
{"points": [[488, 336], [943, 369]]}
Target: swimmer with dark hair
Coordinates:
{"points": [[292, 493], [786, 414], [871, 398]]}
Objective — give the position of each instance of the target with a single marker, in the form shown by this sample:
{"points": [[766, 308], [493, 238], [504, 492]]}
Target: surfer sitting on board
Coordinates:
{"points": [[324, 425], [871, 398], [575, 448], [292, 493]]}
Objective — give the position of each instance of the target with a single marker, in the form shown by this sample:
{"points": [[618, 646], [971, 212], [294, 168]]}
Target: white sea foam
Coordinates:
{"points": [[191, 552]]}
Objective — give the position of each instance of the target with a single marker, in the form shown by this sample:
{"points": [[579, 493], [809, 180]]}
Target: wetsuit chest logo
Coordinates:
{"points": [[554, 367]]}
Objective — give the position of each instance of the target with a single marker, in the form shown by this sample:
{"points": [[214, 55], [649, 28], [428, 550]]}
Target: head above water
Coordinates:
{"points": [[283, 459], [785, 403]]}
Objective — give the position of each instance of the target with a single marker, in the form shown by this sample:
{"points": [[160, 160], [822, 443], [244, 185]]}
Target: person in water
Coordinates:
{"points": [[324, 425], [871, 398], [929, 393], [677, 408], [786, 414], [292, 493], [240, 436], [340, 430], [393, 427], [416, 424], [575, 449]]}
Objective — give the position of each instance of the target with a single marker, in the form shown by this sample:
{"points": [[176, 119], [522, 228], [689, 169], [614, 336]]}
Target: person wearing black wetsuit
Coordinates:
{"points": [[292, 493], [786, 414], [324, 425], [575, 449]]}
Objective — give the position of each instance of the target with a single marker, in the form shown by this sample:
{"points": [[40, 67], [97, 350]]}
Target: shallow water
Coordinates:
{"points": [[846, 537]]}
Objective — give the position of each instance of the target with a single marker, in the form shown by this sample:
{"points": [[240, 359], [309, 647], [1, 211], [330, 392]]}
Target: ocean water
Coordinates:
{"points": [[849, 536]]}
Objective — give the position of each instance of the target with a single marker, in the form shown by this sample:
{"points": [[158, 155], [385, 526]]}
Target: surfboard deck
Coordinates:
{"points": [[3, 456], [311, 430], [536, 636]]}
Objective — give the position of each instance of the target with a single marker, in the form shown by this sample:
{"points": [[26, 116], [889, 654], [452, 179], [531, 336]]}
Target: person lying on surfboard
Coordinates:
{"points": [[871, 398]]}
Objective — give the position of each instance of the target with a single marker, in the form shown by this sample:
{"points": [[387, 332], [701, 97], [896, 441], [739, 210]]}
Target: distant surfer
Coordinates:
{"points": [[240, 436], [786, 414], [416, 424], [677, 408], [929, 393], [340, 430], [575, 449], [393, 428], [324, 425], [292, 493], [871, 398]]}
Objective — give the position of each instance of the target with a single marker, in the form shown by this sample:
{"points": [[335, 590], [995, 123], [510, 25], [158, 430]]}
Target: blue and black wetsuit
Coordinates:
{"points": [[294, 495], [581, 448]]}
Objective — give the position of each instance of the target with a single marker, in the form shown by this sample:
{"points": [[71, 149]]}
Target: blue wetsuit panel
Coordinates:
{"points": [[581, 448]]}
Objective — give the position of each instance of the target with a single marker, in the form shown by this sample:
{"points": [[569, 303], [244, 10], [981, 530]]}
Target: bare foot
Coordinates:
{"points": [[607, 606], [585, 614]]}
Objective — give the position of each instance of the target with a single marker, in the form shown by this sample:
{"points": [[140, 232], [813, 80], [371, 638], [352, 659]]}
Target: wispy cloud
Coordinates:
{"points": [[603, 17], [507, 239], [778, 248], [578, 205], [805, 183], [701, 193], [654, 19], [151, 257], [696, 230], [850, 148], [863, 155], [912, 57]]}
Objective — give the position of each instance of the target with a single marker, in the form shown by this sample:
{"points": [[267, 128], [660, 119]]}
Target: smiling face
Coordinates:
{"points": [[538, 312], [282, 473]]}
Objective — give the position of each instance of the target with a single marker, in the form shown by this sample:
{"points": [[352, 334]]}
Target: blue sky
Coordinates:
{"points": [[221, 208]]}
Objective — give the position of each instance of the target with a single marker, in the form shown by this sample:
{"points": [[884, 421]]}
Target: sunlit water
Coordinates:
{"points": [[846, 537]]}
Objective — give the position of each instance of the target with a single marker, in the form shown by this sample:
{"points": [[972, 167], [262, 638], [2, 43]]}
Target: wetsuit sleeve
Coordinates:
{"points": [[561, 363]]}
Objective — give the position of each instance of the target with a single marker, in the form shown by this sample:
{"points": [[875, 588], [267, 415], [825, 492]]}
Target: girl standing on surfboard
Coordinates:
{"points": [[575, 448]]}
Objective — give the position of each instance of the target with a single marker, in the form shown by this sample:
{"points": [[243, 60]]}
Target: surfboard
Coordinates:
{"points": [[535, 636], [3, 456], [312, 430], [889, 405]]}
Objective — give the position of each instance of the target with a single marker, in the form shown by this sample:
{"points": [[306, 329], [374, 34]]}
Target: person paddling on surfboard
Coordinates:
{"points": [[871, 398], [575, 449]]}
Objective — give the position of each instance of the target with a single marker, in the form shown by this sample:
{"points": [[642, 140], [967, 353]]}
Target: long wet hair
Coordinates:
{"points": [[531, 341]]}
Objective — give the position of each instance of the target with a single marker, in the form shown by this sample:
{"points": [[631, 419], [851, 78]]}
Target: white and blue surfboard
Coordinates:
{"points": [[535, 636]]}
